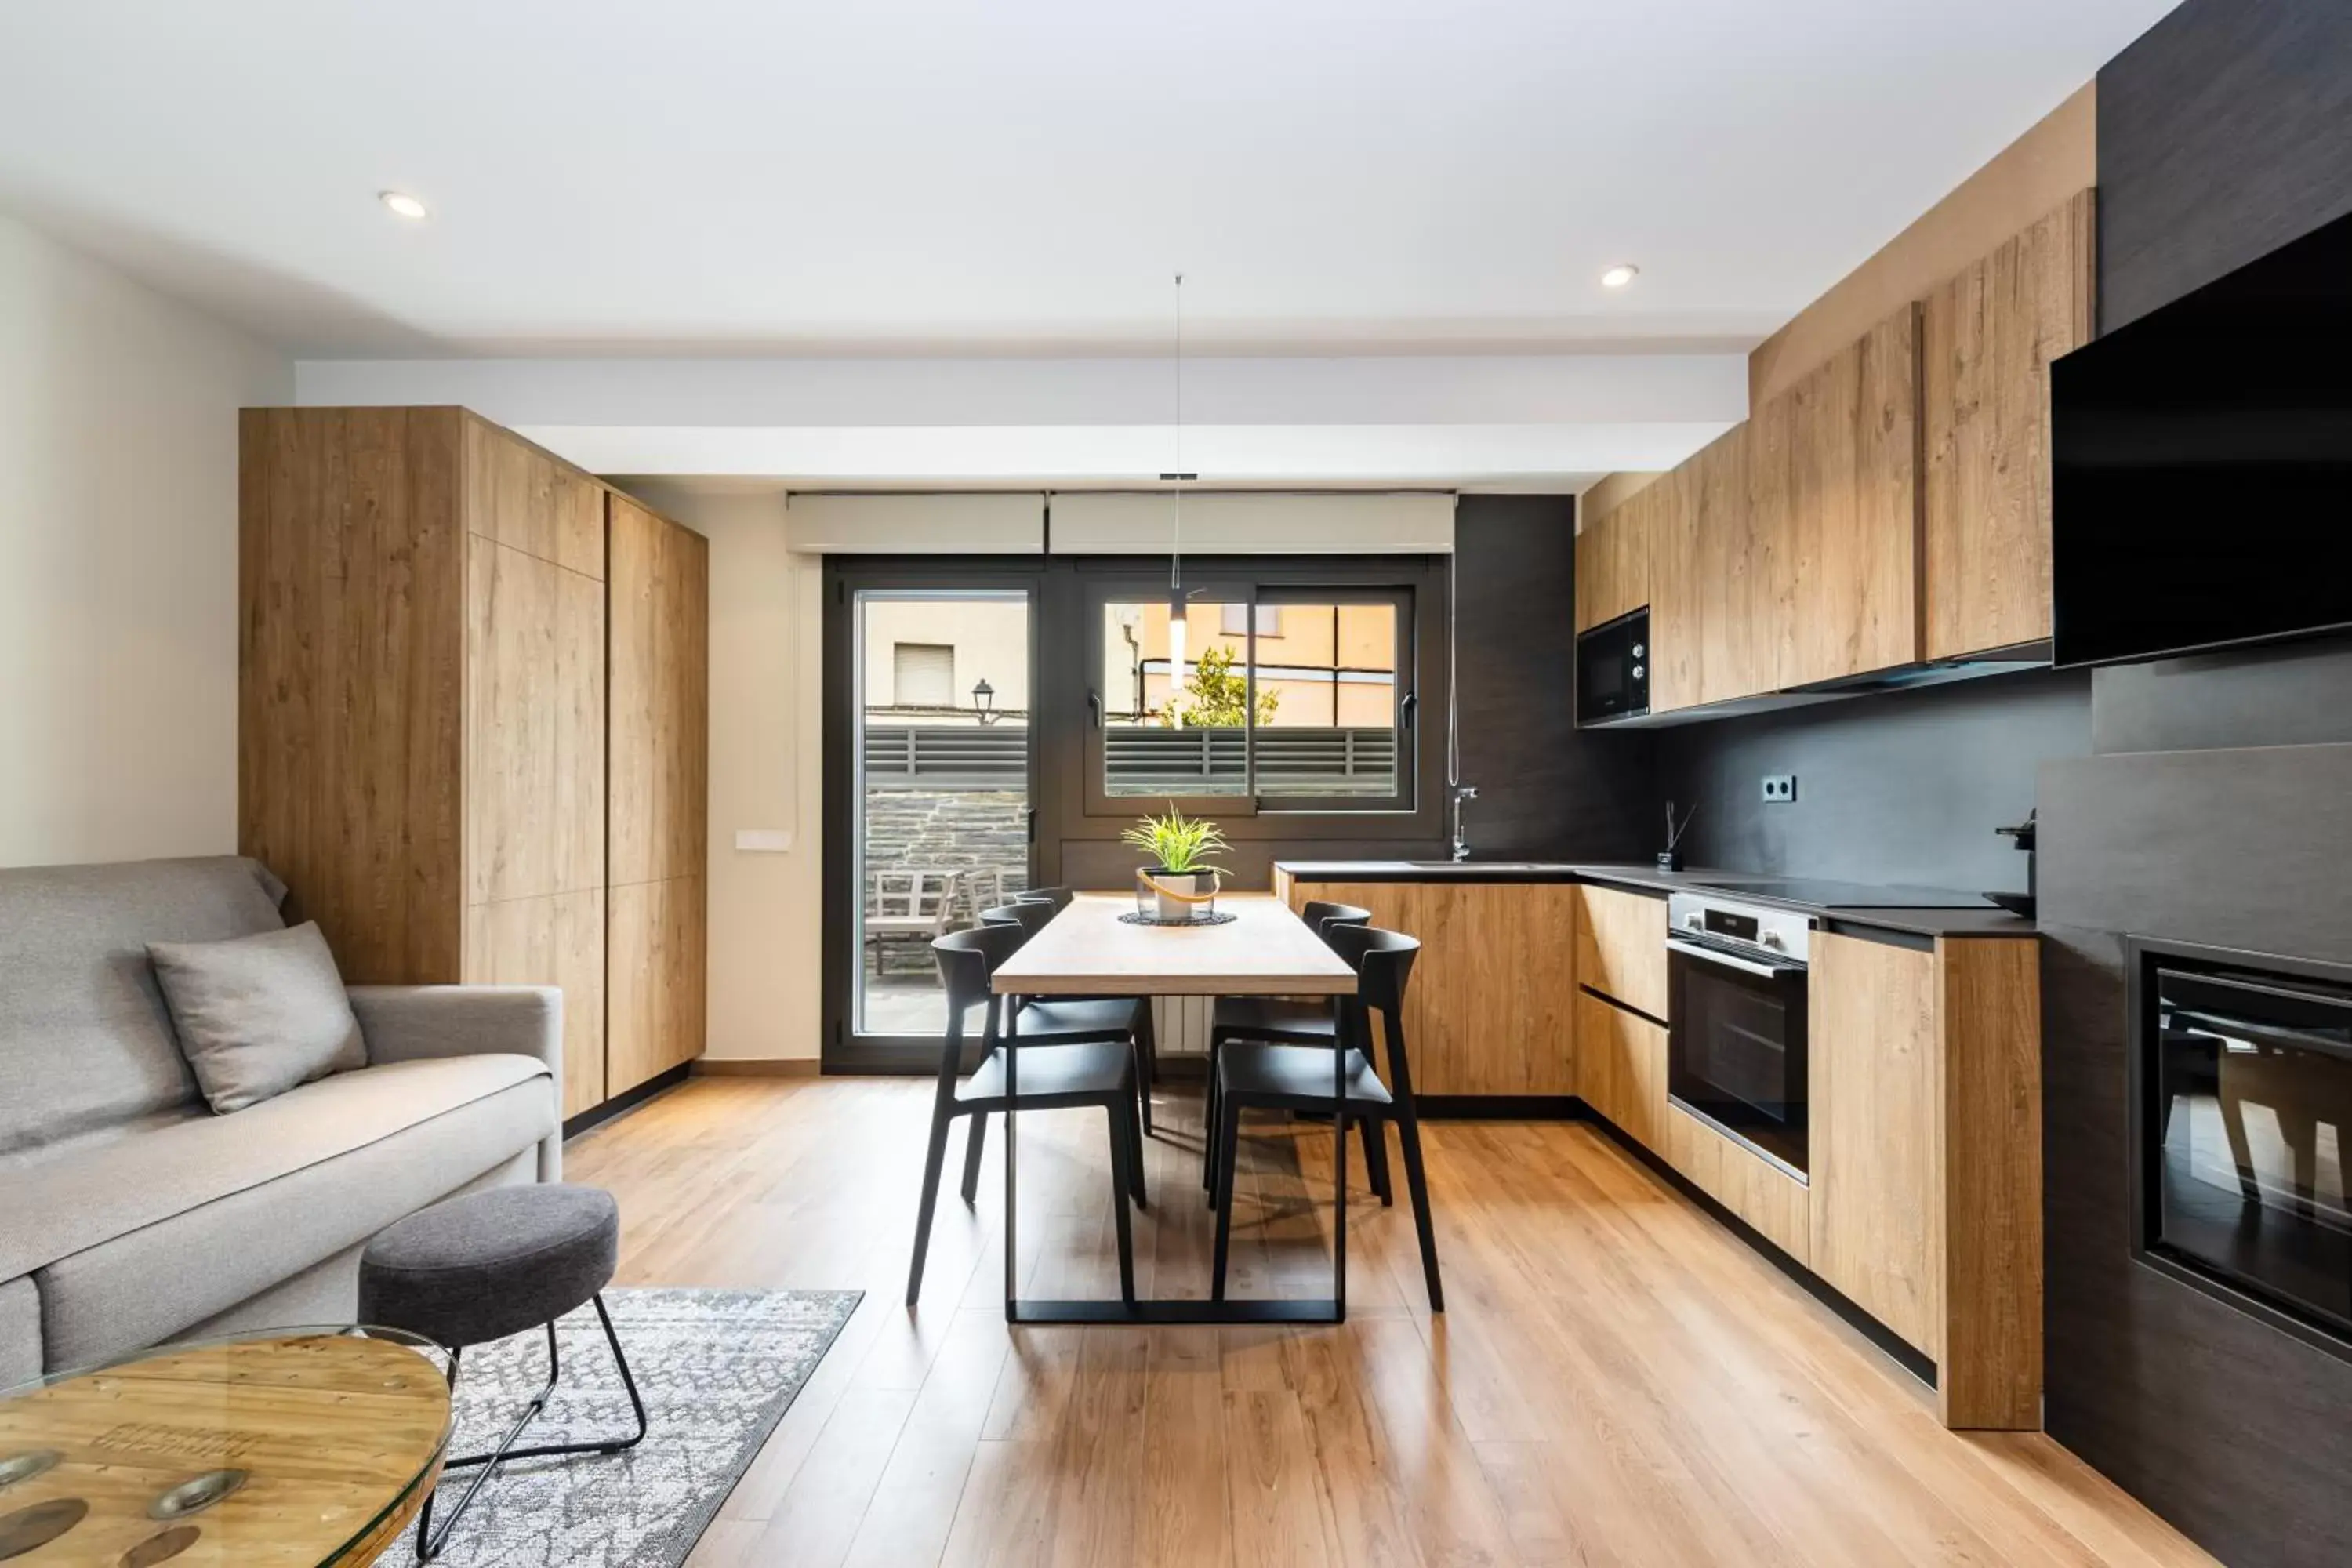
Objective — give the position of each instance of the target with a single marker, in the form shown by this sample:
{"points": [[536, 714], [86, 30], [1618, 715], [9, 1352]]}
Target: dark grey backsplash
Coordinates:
{"points": [[1901, 788], [1546, 789], [2294, 694]]}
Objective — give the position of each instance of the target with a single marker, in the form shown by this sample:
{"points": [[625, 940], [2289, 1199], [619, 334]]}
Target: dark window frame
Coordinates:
{"points": [[1059, 758]]}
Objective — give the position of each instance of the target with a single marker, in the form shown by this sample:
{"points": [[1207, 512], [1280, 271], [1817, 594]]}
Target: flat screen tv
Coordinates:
{"points": [[2201, 463]]}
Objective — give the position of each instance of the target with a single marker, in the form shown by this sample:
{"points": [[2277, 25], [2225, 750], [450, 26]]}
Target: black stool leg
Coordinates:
{"points": [[430, 1541]]}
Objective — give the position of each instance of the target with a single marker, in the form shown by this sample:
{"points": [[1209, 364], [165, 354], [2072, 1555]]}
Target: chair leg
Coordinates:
{"points": [[971, 1146], [1375, 1134], [1416, 1183], [1228, 1149], [933, 1160], [1135, 1165], [1147, 1063], [1209, 1097], [1123, 1158]]}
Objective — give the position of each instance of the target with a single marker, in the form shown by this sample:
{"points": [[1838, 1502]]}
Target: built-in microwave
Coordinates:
{"points": [[1612, 669]]}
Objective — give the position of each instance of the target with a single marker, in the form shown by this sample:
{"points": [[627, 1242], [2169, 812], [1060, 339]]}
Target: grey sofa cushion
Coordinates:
{"points": [[478, 1268], [85, 1041], [20, 1332], [66, 1199], [258, 1015], [152, 1282]]}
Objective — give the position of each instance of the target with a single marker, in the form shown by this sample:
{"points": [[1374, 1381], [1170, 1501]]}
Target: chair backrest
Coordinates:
{"points": [[1058, 897], [1321, 917], [1382, 961], [914, 894], [967, 959], [982, 887], [1027, 918]]}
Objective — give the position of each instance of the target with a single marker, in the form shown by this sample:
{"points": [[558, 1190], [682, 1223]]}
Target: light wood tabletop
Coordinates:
{"points": [[290, 1450], [1086, 950]]}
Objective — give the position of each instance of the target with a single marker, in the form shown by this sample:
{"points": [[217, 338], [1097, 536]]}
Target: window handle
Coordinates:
{"points": [[1406, 709], [1095, 702]]}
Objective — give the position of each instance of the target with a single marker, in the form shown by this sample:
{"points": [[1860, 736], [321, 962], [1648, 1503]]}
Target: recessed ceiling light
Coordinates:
{"points": [[402, 204], [1617, 277]]}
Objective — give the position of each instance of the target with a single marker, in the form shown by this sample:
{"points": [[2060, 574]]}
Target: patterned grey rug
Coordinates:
{"points": [[716, 1369]]}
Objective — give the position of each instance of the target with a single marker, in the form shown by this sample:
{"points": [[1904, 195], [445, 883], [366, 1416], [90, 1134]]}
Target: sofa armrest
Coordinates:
{"points": [[414, 1023]]}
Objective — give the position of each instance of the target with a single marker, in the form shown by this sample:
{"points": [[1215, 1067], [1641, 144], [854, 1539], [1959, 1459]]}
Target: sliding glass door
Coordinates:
{"points": [[939, 810]]}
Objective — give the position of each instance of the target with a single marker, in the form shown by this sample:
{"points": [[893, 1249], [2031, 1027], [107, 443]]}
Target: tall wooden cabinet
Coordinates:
{"points": [[427, 746], [660, 774]]}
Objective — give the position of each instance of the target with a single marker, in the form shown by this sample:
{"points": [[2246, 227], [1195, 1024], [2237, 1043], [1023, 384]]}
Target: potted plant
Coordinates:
{"points": [[1180, 876]]}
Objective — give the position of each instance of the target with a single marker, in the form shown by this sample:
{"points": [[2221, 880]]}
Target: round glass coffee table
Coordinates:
{"points": [[289, 1448]]}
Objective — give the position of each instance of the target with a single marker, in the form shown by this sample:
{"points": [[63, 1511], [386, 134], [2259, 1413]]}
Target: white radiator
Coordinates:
{"points": [[1180, 1024]]}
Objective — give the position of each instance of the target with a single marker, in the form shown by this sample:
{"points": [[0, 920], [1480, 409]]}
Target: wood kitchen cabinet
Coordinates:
{"points": [[1621, 946], [1927, 1156], [1612, 563], [1988, 337], [1621, 1069], [1835, 499], [1491, 1007]]}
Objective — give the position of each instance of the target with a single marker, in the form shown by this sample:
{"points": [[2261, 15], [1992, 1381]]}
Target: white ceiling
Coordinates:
{"points": [[746, 177]]}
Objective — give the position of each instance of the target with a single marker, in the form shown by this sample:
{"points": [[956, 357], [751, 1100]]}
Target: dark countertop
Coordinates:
{"points": [[1987, 922]]}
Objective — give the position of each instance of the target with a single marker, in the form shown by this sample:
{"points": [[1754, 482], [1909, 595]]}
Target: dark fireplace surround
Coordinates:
{"points": [[2211, 1397]]}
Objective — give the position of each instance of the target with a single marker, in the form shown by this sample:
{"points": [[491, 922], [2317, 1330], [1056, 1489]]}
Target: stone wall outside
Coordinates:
{"points": [[950, 830]]}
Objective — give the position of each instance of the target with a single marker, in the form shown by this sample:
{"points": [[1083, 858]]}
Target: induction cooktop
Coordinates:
{"points": [[1847, 895]]}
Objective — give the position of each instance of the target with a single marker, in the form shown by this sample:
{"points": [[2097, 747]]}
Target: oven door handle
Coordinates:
{"points": [[1732, 961]]}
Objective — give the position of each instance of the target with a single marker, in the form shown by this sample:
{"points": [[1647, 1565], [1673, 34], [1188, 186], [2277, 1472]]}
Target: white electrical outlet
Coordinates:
{"points": [[1779, 789]]}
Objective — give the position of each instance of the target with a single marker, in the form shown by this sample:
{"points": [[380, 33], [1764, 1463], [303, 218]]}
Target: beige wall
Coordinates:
{"points": [[118, 560], [991, 638], [766, 773]]}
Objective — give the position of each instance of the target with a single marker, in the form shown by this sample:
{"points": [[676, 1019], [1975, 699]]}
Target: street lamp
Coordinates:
{"points": [[982, 695]]}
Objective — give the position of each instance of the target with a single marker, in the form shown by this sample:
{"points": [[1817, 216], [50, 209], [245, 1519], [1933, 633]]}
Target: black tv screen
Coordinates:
{"points": [[2202, 465]]}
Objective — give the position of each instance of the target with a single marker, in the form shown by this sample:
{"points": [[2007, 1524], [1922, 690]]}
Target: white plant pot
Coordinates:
{"points": [[1195, 883]]}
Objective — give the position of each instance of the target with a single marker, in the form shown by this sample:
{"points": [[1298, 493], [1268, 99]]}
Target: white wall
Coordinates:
{"points": [[766, 773], [118, 560]]}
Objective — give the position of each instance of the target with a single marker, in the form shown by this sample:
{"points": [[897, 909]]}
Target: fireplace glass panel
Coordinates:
{"points": [[2249, 1136]]}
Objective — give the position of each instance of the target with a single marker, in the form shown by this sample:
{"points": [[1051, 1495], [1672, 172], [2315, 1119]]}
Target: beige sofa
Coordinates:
{"points": [[129, 1214]]}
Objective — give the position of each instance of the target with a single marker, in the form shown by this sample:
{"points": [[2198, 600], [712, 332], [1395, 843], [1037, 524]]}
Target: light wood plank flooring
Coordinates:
{"points": [[1617, 1380]]}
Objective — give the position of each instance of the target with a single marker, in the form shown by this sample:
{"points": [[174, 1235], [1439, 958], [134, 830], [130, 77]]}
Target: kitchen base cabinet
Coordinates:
{"points": [[1759, 1192], [1621, 1069], [1927, 1158], [1490, 1010], [1621, 947]]}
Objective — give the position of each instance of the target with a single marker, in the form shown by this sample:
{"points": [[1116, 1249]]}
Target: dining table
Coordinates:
{"points": [[1100, 944]]}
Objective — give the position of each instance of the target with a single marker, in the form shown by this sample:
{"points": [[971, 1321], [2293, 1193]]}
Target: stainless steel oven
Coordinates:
{"points": [[1736, 1054]]}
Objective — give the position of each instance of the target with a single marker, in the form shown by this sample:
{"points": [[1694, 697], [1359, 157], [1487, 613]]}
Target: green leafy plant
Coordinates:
{"points": [[1216, 696], [1179, 843]]}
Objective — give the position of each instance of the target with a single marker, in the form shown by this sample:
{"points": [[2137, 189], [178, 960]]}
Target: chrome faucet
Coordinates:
{"points": [[1462, 793]]}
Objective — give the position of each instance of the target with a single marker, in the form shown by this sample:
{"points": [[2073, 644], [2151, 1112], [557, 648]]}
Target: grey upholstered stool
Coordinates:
{"points": [[486, 1266]]}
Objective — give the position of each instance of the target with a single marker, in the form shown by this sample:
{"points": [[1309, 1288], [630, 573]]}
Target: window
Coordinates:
{"points": [[922, 675], [1289, 698]]}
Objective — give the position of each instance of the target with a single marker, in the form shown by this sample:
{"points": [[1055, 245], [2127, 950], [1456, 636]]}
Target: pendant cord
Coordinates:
{"points": [[1176, 535]]}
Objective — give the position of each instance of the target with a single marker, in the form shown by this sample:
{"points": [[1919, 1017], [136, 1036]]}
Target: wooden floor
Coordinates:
{"points": [[1617, 1380]]}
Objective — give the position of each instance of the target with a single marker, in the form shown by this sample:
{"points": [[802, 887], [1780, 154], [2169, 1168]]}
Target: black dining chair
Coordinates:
{"points": [[1254, 1075], [1282, 1021], [1054, 1019], [1058, 897], [1067, 1021], [1020, 1074]]}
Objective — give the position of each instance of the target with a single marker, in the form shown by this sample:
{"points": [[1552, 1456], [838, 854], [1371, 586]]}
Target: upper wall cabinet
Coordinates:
{"points": [[1705, 604], [1837, 496], [1612, 563], [1990, 335]]}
